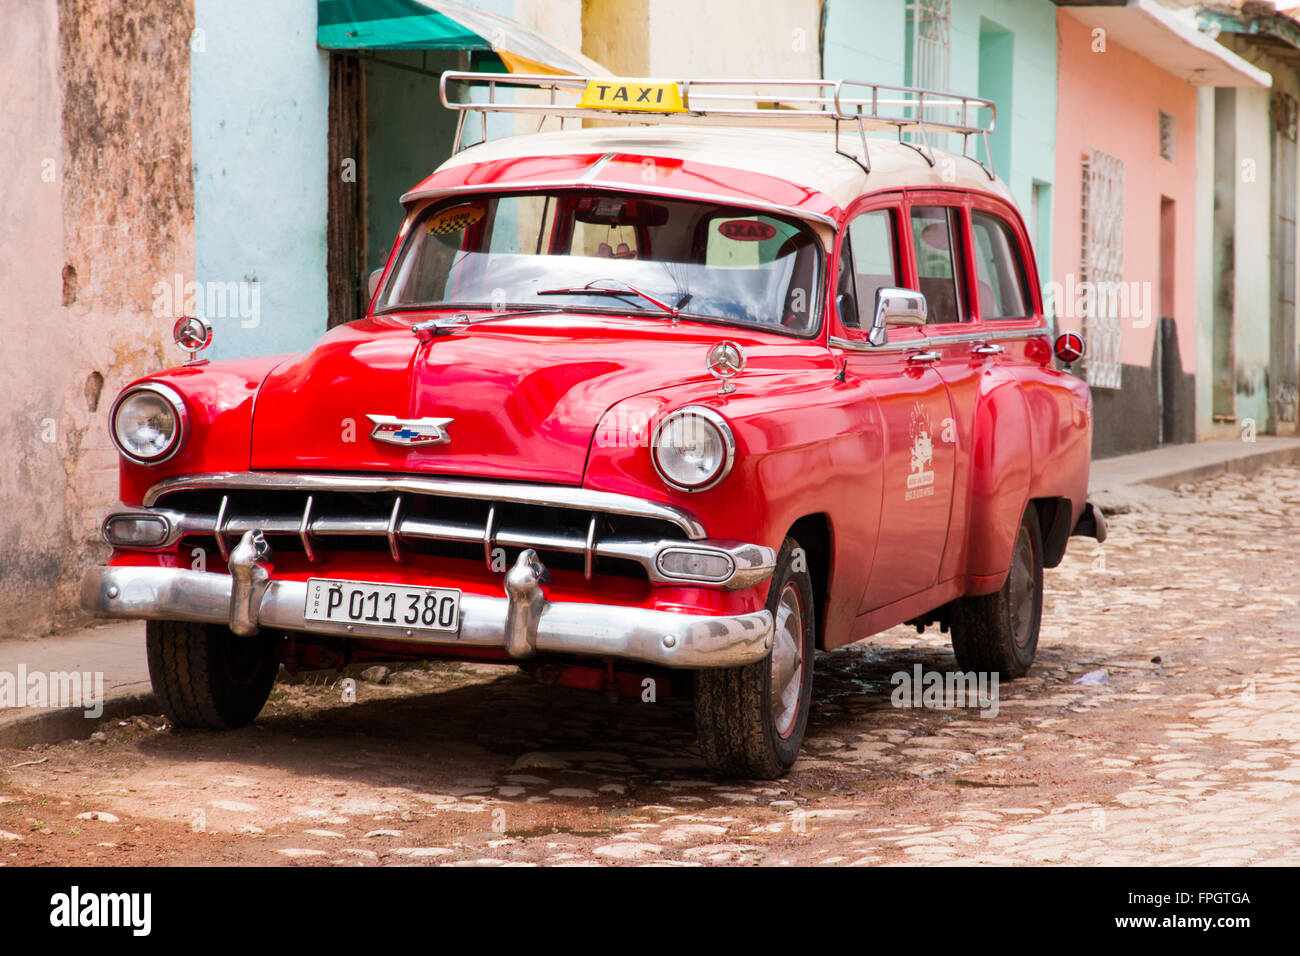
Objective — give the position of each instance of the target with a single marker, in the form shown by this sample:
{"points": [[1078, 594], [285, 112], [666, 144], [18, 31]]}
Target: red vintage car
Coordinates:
{"points": [[668, 400]]}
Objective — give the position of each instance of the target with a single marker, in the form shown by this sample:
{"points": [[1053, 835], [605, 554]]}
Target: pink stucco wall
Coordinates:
{"points": [[1111, 101]]}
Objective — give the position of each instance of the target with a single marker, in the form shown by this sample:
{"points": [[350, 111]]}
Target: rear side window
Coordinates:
{"points": [[934, 237], [1000, 272]]}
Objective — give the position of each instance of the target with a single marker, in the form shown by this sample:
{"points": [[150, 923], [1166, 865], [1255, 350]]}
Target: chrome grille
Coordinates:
{"points": [[402, 522]]}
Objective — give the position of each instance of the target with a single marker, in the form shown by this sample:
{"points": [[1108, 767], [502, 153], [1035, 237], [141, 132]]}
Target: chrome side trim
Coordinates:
{"points": [[555, 496], [665, 638], [988, 335]]}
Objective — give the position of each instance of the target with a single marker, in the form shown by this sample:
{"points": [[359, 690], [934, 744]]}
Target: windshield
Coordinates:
{"points": [[617, 253]]}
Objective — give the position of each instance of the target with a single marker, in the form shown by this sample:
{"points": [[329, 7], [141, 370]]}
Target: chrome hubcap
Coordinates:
{"points": [[787, 660], [1021, 591]]}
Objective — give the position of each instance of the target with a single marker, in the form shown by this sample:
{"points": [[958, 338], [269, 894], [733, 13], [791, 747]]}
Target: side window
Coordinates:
{"points": [[874, 262], [935, 238], [1002, 289]]}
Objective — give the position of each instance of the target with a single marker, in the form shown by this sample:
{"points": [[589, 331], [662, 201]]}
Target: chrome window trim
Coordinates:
{"points": [[556, 496]]}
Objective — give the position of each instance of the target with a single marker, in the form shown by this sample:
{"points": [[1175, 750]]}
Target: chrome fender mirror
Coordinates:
{"points": [[373, 282], [896, 307]]}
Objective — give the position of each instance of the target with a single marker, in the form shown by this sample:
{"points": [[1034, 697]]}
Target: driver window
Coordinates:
{"points": [[875, 260]]}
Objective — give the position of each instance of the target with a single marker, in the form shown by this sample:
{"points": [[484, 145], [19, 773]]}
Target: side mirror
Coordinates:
{"points": [[373, 282], [896, 307]]}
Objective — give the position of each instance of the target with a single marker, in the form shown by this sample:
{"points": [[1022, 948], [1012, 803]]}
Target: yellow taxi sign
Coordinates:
{"points": [[633, 95]]}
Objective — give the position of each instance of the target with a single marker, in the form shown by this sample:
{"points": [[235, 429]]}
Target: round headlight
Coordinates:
{"points": [[147, 423], [693, 449]]}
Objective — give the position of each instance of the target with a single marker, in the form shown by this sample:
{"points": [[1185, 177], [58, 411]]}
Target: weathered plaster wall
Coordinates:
{"points": [[98, 206], [613, 34], [1254, 275], [1205, 259], [737, 38]]}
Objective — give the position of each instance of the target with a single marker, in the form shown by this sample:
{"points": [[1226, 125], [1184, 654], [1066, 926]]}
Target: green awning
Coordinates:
{"points": [[444, 25]]}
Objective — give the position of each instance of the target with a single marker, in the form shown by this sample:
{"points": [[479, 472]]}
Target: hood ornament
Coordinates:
{"points": [[410, 432], [193, 335], [726, 360]]}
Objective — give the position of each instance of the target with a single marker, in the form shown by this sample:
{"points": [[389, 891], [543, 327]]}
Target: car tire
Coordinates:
{"points": [[999, 632], [745, 729], [205, 676]]}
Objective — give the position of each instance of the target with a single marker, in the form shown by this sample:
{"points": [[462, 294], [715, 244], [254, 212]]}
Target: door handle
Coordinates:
{"points": [[923, 358], [987, 348]]}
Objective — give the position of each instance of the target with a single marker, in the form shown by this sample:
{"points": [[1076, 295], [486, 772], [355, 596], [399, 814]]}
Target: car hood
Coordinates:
{"points": [[524, 394]]}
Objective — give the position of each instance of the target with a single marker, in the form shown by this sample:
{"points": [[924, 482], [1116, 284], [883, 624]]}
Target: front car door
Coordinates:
{"points": [[874, 253]]}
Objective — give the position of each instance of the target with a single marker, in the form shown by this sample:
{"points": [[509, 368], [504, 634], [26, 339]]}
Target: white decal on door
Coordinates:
{"points": [[920, 482]]}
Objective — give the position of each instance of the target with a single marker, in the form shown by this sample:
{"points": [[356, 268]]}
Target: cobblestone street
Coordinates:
{"points": [[1184, 751]]}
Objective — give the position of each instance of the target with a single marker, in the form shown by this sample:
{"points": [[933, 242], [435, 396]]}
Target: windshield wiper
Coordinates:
{"points": [[592, 289]]}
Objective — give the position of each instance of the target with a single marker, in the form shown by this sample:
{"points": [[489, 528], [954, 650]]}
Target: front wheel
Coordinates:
{"points": [[750, 720], [999, 632], [204, 675]]}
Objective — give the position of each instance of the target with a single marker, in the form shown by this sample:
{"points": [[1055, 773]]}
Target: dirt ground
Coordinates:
{"points": [[1185, 754]]}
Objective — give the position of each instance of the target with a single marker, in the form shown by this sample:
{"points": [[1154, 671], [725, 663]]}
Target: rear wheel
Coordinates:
{"points": [[206, 676], [750, 720], [999, 632]]}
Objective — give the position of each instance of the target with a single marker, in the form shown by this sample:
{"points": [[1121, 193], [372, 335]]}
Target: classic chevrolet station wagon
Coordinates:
{"points": [[688, 396]]}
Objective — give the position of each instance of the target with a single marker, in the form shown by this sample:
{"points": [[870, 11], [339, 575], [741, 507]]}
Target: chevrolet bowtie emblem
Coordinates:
{"points": [[410, 432]]}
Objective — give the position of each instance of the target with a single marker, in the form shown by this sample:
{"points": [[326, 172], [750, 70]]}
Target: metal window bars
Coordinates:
{"points": [[783, 104]]}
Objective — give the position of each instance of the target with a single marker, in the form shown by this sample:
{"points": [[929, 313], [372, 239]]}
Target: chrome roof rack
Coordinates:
{"points": [[781, 104]]}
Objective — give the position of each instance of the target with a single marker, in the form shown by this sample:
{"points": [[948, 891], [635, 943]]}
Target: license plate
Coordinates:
{"points": [[406, 607]]}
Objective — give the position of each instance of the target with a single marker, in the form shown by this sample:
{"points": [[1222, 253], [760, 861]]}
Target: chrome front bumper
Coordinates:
{"points": [[523, 622]]}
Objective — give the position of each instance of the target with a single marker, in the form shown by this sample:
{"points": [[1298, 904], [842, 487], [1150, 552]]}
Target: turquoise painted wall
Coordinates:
{"points": [[867, 40], [259, 111], [259, 98]]}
